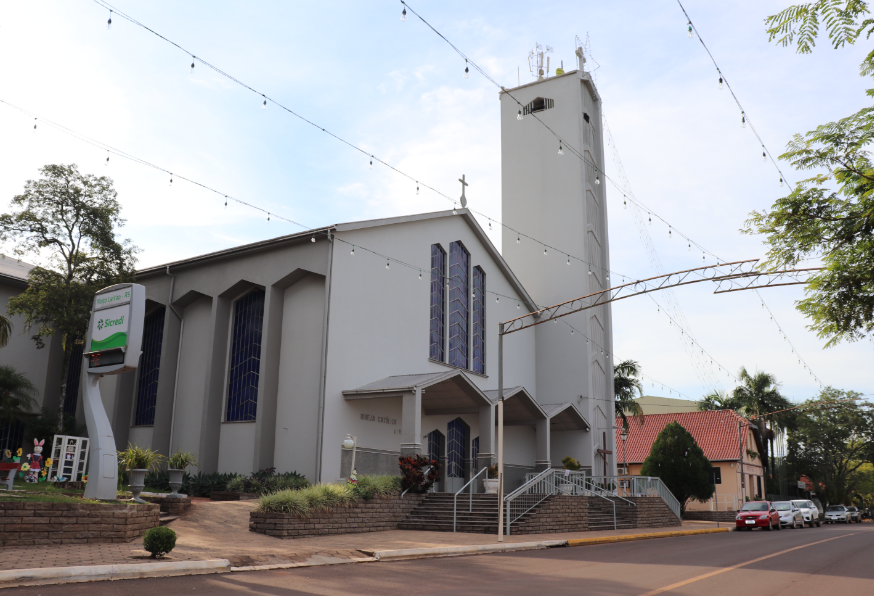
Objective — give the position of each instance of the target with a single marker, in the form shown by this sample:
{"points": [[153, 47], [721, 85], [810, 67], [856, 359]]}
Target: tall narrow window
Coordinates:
{"points": [[245, 357], [459, 304], [474, 454], [437, 350], [479, 320], [74, 373], [456, 449], [150, 363]]}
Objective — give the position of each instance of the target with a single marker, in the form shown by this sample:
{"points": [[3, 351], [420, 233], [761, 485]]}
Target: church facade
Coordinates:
{"points": [[270, 354]]}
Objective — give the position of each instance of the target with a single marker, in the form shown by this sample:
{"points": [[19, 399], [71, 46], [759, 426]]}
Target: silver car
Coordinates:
{"points": [[809, 512], [790, 514], [855, 514], [837, 514]]}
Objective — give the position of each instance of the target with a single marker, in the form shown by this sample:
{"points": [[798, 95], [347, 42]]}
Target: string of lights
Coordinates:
{"points": [[723, 81], [372, 157]]}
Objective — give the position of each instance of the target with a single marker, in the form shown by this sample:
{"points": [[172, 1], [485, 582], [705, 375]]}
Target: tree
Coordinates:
{"points": [[71, 219], [626, 386], [816, 220], [16, 396], [5, 330], [832, 442], [677, 459]]}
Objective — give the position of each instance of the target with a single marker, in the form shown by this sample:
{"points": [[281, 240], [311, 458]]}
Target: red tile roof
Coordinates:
{"points": [[715, 432]]}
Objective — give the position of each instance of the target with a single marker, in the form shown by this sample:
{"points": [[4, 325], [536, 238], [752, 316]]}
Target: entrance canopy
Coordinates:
{"points": [[565, 416], [450, 392], [519, 407]]}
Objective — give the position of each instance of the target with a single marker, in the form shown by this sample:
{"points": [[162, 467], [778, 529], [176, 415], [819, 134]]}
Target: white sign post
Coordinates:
{"points": [[115, 334]]}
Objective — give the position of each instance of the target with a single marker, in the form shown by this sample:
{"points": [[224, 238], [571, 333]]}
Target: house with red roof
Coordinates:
{"points": [[728, 440]]}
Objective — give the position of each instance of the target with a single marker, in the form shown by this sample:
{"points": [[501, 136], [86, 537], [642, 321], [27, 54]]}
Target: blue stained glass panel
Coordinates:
{"points": [[479, 320], [74, 374], [150, 364], [435, 445], [245, 357], [436, 340], [459, 304], [474, 454], [456, 449]]}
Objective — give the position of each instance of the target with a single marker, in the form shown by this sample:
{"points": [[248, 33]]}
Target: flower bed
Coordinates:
{"points": [[24, 523]]}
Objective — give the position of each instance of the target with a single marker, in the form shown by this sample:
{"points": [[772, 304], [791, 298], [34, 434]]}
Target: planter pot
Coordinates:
{"points": [[137, 483], [566, 488], [490, 485], [176, 483]]}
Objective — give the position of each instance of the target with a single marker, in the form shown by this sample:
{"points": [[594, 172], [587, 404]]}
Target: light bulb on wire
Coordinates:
{"points": [[417, 188], [107, 158], [544, 251], [560, 151], [669, 231], [371, 162], [268, 217], [109, 22], [650, 219], [781, 182], [764, 157], [466, 70], [191, 70], [171, 179], [518, 240], [313, 239], [624, 204], [34, 125], [404, 15], [690, 29], [387, 265], [353, 254], [226, 201], [519, 115], [264, 105], [720, 83], [568, 259], [597, 179], [743, 120]]}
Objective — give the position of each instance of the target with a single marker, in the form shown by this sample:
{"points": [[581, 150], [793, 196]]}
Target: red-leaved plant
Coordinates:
{"points": [[413, 474]]}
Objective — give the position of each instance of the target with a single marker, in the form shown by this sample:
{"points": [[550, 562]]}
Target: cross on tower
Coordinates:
{"points": [[463, 198], [605, 452]]}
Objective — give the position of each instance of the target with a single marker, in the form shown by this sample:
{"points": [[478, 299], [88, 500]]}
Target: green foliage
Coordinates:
{"points": [[45, 426], [16, 396], [202, 485], [627, 386], [5, 330], [159, 541], [492, 472], [817, 220], [831, 443], [418, 473], [570, 463], [369, 487], [677, 459], [181, 460], [304, 502], [139, 458], [267, 481]]}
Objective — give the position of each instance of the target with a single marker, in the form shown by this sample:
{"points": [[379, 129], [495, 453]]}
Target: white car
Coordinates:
{"points": [[790, 514], [837, 514], [809, 512]]}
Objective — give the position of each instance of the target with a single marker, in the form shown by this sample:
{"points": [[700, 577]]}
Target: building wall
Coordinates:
{"points": [[555, 198], [379, 324]]}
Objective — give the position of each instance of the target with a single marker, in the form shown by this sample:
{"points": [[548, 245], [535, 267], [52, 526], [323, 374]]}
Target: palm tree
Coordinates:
{"points": [[16, 396], [626, 386], [716, 400], [5, 330], [759, 394]]}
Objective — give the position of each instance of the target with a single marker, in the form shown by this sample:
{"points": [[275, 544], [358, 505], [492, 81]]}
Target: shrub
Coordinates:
{"points": [[139, 458], [413, 476], [286, 501], [303, 502], [369, 487], [267, 481], [570, 463], [159, 541], [181, 460]]}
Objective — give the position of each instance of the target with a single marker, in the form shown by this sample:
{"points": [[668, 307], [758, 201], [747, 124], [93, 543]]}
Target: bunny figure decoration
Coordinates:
{"points": [[35, 459]]}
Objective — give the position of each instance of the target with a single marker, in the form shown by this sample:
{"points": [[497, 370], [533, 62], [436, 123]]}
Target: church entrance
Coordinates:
{"points": [[458, 433]]}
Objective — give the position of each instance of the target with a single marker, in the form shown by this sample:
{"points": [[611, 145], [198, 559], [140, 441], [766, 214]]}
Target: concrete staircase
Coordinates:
{"points": [[435, 514], [600, 514]]}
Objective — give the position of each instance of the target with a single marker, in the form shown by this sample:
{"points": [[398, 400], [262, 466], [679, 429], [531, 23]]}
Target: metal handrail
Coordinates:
{"points": [[547, 477], [608, 491], [525, 486], [455, 498], [612, 502]]}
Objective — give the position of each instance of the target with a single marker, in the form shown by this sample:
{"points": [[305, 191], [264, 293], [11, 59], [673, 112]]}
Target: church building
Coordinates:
{"points": [[270, 354]]}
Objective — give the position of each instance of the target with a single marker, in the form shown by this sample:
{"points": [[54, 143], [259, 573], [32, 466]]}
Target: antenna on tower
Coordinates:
{"points": [[535, 61]]}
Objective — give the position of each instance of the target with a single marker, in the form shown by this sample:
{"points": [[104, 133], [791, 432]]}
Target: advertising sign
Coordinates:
{"points": [[115, 333]]}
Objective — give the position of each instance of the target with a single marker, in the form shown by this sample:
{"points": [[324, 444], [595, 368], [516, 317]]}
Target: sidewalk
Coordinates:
{"points": [[220, 530]]}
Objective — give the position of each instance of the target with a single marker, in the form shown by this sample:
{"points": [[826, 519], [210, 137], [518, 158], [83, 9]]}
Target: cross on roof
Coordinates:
{"points": [[463, 198], [605, 452]]}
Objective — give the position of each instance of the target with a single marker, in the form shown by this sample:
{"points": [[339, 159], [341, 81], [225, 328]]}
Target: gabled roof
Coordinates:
{"points": [[447, 392], [14, 269], [566, 416], [519, 406], [716, 432]]}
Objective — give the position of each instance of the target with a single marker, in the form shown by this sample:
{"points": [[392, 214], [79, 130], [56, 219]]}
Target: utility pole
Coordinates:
{"points": [[740, 448], [500, 432]]}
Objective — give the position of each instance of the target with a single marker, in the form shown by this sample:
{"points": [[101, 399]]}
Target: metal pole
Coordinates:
{"points": [[500, 432], [716, 498], [740, 448]]}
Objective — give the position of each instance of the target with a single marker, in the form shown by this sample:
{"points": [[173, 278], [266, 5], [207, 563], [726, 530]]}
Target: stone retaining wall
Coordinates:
{"points": [[564, 513], [29, 523], [170, 506], [374, 515], [724, 516], [228, 495]]}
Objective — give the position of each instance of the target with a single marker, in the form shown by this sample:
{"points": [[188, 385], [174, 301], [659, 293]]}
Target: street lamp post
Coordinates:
{"points": [[624, 435], [351, 443]]}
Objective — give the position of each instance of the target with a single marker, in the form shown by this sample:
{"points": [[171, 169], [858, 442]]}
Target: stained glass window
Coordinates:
{"points": [[150, 364], [245, 357], [479, 320], [74, 374], [438, 303], [474, 454], [435, 445], [459, 304], [456, 449]]}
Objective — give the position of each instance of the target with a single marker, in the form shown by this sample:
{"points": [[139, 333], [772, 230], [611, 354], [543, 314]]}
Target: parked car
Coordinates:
{"points": [[809, 512], [855, 514], [790, 514], [757, 514], [837, 513]]}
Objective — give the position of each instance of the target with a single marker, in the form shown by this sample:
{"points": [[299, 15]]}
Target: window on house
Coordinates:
{"points": [[245, 357], [150, 363], [459, 304], [437, 350], [479, 320]]}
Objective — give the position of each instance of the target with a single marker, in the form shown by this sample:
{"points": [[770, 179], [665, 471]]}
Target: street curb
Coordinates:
{"points": [[633, 537], [302, 564], [89, 573], [455, 551]]}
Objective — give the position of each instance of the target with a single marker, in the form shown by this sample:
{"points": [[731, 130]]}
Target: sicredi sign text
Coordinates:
{"points": [[110, 328]]}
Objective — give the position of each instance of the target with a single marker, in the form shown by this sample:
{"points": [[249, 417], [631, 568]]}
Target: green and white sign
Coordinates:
{"points": [[113, 298], [110, 328]]}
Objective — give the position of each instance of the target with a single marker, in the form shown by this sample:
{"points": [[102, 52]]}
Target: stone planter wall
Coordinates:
{"points": [[374, 515], [227, 495], [170, 506], [29, 524], [652, 512], [724, 516]]}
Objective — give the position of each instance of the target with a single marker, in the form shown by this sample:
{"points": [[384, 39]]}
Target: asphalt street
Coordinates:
{"points": [[803, 562]]}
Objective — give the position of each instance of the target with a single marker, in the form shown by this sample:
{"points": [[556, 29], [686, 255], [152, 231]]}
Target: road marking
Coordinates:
{"points": [[739, 565]]}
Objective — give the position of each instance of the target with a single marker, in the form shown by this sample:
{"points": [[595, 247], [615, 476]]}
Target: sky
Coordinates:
{"points": [[396, 90]]}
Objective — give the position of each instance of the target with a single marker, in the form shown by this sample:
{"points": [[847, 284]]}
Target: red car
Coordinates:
{"points": [[757, 514]]}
